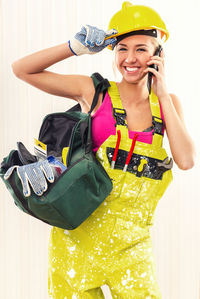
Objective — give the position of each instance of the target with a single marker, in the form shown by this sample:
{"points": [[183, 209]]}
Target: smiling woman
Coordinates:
{"points": [[132, 55], [145, 44], [132, 155], [113, 246]]}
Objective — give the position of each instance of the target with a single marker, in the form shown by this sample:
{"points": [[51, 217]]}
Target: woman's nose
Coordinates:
{"points": [[131, 58]]}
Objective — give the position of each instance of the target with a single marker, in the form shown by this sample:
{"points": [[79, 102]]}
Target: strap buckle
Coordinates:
{"points": [[143, 163], [120, 116], [157, 124]]}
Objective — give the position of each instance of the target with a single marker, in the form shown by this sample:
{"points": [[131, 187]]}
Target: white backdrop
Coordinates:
{"points": [[30, 25]]}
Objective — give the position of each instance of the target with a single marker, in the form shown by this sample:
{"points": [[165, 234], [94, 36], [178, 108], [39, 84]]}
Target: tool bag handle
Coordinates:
{"points": [[100, 85], [82, 130]]}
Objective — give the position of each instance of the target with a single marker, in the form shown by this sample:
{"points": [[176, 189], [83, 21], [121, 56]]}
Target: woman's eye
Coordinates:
{"points": [[122, 49], [141, 49]]}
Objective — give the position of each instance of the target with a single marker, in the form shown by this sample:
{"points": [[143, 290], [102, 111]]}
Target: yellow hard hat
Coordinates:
{"points": [[138, 18]]}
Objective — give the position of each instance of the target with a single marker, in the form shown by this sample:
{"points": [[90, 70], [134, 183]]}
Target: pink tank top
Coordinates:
{"points": [[103, 125]]}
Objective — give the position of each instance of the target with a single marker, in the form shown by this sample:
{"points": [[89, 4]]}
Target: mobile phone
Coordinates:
{"points": [[150, 75]]}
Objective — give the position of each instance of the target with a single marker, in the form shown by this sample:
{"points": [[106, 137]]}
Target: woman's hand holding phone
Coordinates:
{"points": [[156, 76]]}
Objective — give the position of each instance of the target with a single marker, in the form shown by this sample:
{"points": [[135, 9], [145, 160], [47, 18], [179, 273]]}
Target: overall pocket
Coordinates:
{"points": [[127, 234], [150, 194]]}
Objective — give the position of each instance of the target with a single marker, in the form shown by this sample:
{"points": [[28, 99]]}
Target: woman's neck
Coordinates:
{"points": [[135, 93]]}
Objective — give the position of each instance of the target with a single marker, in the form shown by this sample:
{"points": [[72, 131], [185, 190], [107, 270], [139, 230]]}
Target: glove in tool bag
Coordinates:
{"points": [[80, 189]]}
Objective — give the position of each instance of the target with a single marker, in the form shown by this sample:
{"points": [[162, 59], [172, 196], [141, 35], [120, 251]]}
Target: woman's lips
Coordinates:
{"points": [[132, 70]]}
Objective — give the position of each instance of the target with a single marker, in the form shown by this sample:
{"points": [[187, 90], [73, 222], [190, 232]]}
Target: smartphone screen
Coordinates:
{"points": [[150, 75]]}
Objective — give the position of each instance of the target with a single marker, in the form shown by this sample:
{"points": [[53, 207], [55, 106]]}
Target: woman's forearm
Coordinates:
{"points": [[39, 61], [181, 144]]}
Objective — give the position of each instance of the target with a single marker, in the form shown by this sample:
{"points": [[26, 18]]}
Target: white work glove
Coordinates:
{"points": [[34, 174], [91, 40]]}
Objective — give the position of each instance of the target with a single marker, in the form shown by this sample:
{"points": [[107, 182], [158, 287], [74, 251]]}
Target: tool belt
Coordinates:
{"points": [[140, 165]]}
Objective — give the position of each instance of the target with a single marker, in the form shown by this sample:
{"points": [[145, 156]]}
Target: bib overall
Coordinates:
{"points": [[113, 245]]}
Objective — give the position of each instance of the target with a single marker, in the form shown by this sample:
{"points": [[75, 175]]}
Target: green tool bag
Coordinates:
{"points": [[82, 187]]}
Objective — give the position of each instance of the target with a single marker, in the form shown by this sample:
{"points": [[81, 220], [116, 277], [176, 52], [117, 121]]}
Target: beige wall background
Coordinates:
{"points": [[30, 25]]}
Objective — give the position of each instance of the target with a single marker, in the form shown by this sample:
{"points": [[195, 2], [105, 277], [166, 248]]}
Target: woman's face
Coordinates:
{"points": [[131, 56]]}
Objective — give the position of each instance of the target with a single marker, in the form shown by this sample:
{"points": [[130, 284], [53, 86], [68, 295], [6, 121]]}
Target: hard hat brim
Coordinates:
{"points": [[138, 32]]}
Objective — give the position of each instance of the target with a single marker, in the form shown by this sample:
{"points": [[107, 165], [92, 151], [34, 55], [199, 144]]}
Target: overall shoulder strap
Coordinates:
{"points": [[114, 95], [156, 120], [120, 114], [100, 84]]}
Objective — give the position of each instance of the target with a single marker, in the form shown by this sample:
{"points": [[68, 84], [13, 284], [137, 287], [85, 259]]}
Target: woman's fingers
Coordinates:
{"points": [[159, 62], [155, 60], [152, 70]]}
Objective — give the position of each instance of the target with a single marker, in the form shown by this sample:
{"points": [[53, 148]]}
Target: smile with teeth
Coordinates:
{"points": [[131, 69]]}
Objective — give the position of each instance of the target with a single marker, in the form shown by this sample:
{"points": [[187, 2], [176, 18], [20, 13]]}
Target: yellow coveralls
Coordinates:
{"points": [[113, 245]]}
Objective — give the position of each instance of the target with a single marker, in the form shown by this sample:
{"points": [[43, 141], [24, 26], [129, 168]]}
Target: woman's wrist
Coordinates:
{"points": [[165, 98]]}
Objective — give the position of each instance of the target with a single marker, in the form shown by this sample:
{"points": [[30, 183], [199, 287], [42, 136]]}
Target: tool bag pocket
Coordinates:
{"points": [[68, 201]]}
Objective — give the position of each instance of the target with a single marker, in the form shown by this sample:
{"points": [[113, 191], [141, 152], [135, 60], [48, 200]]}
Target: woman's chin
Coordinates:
{"points": [[134, 79]]}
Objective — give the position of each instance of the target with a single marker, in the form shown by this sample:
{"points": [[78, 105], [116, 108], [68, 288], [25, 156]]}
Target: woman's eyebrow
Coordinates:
{"points": [[138, 45], [122, 45], [141, 45]]}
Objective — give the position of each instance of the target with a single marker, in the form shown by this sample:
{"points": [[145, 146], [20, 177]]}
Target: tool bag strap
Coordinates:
{"points": [[82, 130], [100, 85]]}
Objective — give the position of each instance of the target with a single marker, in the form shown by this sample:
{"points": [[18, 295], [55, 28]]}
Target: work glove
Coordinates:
{"points": [[91, 40], [33, 174]]}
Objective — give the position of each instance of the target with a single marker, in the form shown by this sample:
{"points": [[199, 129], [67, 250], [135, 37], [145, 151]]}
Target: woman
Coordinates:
{"points": [[113, 246]]}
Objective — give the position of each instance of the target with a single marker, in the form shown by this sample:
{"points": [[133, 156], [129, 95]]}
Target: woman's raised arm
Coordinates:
{"points": [[31, 69]]}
